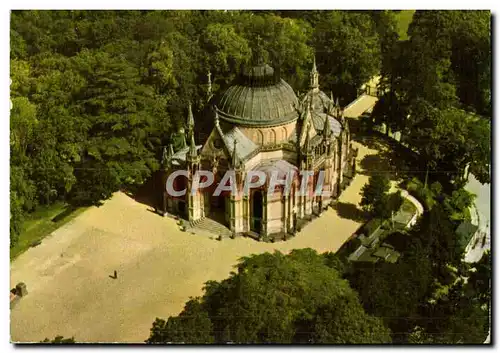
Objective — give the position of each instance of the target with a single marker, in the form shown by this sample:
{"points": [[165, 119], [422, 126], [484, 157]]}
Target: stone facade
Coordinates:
{"points": [[260, 124]]}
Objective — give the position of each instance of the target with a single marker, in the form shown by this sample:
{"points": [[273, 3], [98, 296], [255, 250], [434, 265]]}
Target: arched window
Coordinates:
{"points": [[272, 136]]}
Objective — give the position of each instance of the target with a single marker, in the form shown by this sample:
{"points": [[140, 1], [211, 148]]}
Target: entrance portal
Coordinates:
{"points": [[256, 217], [218, 209]]}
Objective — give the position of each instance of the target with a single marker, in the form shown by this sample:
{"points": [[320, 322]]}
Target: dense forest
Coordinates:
{"points": [[96, 94]]}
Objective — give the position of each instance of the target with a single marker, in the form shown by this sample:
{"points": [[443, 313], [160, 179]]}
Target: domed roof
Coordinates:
{"points": [[320, 102], [258, 98]]}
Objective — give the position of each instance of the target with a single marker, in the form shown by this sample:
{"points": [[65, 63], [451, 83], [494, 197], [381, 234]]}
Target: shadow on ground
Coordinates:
{"points": [[371, 142], [349, 211], [392, 157], [374, 164], [149, 193]]}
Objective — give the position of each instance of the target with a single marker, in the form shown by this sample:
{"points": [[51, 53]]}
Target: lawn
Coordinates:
{"points": [[404, 18], [41, 223], [408, 207]]}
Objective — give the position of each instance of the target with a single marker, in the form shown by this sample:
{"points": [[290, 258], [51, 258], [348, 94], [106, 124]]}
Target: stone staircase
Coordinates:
{"points": [[209, 225]]}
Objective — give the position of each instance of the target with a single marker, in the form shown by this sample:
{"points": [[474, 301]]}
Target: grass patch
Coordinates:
{"points": [[404, 18], [408, 207], [41, 223]]}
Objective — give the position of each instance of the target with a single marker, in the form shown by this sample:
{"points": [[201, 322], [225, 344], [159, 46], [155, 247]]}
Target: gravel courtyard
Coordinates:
{"points": [[159, 268]]}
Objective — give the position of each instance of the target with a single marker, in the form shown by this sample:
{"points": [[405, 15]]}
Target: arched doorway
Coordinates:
{"points": [[256, 215], [218, 204]]}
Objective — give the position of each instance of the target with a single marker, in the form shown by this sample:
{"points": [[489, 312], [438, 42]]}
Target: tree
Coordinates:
{"points": [[120, 114], [347, 51], [456, 319], [374, 195], [390, 111], [479, 148], [192, 326], [448, 140], [434, 235], [458, 203], [275, 298], [225, 49], [393, 292], [471, 59], [480, 279], [433, 82], [286, 41]]}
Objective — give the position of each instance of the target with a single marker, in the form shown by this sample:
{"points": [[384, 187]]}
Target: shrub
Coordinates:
{"points": [[372, 225], [424, 195], [395, 200], [374, 195]]}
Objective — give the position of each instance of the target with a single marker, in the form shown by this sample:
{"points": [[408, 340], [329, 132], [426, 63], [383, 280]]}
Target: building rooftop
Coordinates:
{"points": [[244, 146], [318, 120], [258, 98]]}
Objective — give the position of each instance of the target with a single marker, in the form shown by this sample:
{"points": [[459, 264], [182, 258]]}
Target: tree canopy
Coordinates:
{"points": [[275, 298], [375, 198], [437, 91]]}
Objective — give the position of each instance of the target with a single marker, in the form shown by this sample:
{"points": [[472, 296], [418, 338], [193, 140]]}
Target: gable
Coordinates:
{"points": [[215, 145]]}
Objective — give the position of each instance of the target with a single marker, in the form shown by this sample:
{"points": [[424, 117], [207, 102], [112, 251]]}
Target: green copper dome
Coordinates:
{"points": [[258, 98]]}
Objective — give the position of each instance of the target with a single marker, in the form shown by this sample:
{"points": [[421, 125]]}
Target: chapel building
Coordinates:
{"points": [[260, 124]]}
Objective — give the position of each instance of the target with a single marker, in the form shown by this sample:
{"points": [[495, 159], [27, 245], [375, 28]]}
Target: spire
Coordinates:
{"points": [[192, 148], [167, 155], [307, 143], [314, 76], [182, 136], [308, 108], [190, 118], [234, 160], [338, 110], [327, 129], [331, 104]]}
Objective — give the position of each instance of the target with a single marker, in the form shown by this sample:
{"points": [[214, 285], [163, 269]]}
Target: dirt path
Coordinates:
{"points": [[159, 268]]}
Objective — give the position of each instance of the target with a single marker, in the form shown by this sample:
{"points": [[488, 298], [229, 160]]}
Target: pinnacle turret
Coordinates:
{"points": [[192, 148], [190, 118], [314, 75], [234, 159], [307, 143], [327, 129]]}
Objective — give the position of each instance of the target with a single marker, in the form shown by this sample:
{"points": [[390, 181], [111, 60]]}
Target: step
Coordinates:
{"points": [[212, 226]]}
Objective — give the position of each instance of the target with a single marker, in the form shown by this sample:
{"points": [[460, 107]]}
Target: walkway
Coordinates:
{"points": [[362, 104]]}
